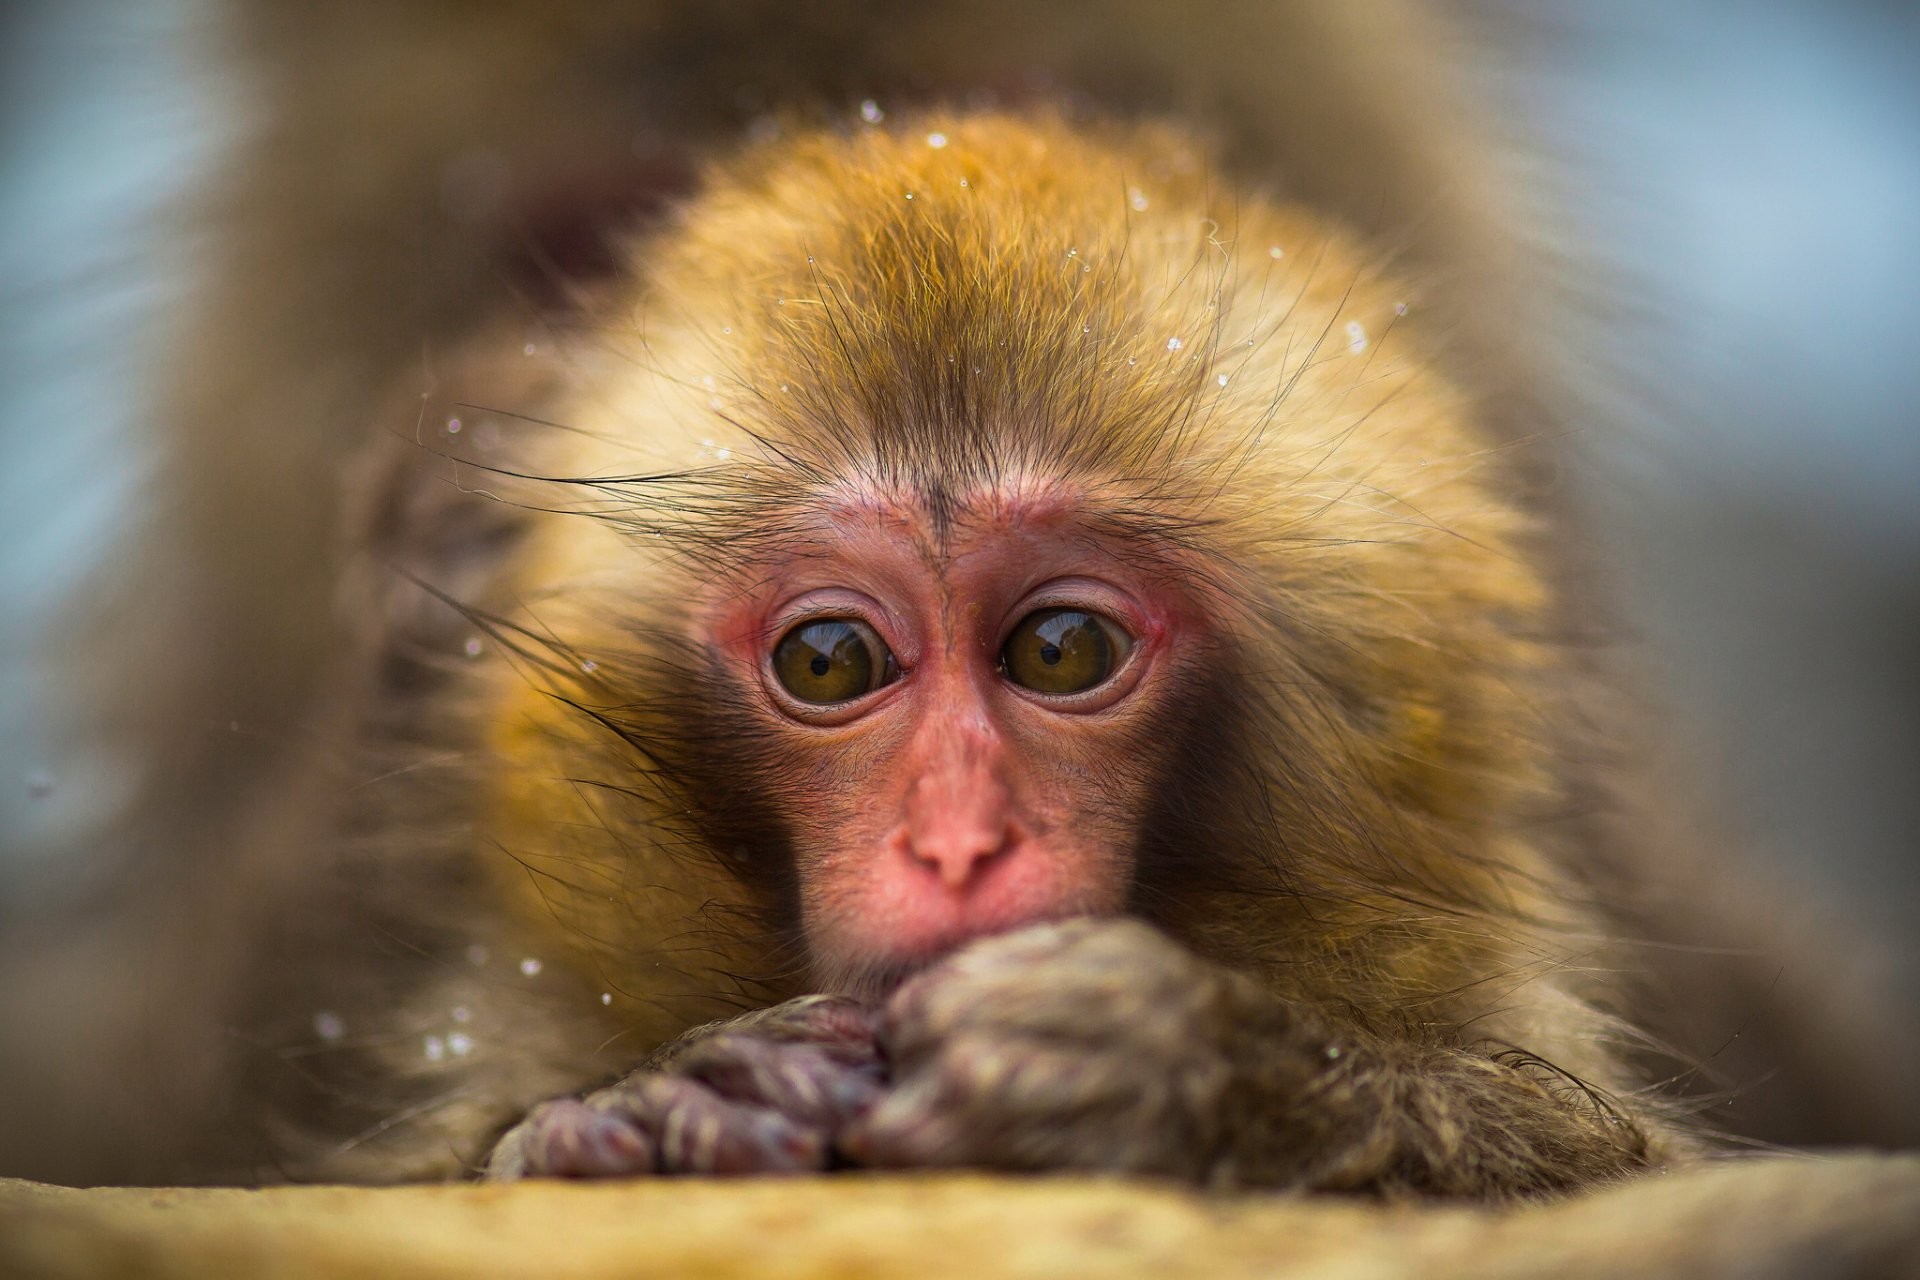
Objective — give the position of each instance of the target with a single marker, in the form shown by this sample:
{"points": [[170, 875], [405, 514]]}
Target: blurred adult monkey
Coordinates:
{"points": [[423, 187]]}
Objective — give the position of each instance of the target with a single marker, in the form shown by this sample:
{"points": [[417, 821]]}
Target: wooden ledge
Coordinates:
{"points": [[1835, 1216]]}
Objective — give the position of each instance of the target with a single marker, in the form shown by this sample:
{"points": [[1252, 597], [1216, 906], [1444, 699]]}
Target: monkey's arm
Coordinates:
{"points": [[1102, 1045]]}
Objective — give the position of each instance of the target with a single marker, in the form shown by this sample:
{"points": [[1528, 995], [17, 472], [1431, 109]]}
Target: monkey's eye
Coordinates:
{"points": [[1062, 651], [825, 660]]}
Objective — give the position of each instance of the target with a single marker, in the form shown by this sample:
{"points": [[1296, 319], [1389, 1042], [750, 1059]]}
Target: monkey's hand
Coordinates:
{"points": [[1103, 1045], [1093, 1044], [763, 1093]]}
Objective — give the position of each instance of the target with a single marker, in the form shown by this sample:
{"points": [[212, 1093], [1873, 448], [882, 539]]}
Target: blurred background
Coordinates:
{"points": [[1747, 176]]}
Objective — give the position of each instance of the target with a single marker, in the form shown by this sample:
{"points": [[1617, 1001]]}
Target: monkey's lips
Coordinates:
{"points": [[897, 925]]}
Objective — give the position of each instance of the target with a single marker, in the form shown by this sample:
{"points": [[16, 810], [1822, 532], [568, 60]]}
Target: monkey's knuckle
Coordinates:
{"points": [[809, 1085], [698, 1131]]}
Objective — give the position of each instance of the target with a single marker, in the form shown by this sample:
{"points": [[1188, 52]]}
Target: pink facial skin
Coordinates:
{"points": [[952, 803]]}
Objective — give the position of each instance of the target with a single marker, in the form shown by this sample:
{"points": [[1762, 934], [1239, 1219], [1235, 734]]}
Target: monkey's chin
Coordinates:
{"points": [[872, 975]]}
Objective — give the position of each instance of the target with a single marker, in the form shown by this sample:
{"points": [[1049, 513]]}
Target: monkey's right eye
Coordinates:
{"points": [[828, 660]]}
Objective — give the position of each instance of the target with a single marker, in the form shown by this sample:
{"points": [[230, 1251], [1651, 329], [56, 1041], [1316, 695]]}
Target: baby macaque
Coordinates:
{"points": [[989, 635], [1031, 621], [983, 635]]}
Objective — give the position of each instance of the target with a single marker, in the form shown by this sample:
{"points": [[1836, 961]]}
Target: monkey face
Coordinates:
{"points": [[967, 704], [1009, 553]]}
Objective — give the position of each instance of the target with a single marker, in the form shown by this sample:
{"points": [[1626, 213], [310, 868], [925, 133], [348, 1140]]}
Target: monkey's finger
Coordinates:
{"points": [[1011, 1079], [1089, 985], [1032, 1109], [994, 1102], [905, 1132], [698, 1131], [808, 1083], [1089, 1012], [568, 1139], [927, 1012], [1084, 941]]}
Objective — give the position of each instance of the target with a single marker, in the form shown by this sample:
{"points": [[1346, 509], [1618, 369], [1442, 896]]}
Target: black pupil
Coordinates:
{"points": [[1050, 654], [819, 664]]}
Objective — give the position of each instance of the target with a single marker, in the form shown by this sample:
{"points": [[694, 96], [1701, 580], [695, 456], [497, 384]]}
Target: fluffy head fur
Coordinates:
{"points": [[952, 314]]}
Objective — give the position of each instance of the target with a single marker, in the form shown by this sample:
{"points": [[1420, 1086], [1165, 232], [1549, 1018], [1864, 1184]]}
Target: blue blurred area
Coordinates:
{"points": [[1743, 181], [1746, 179], [98, 131]]}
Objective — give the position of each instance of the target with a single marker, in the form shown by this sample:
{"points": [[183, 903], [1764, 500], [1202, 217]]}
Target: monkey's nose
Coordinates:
{"points": [[957, 825], [958, 858]]}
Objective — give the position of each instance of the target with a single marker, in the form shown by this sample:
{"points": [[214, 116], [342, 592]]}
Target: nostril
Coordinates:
{"points": [[957, 857]]}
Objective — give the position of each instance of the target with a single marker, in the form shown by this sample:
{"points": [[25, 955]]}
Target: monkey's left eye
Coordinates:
{"points": [[1062, 651], [827, 660]]}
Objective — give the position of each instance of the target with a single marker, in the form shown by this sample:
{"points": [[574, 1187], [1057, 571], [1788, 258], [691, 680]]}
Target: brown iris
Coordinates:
{"points": [[1061, 651], [826, 660]]}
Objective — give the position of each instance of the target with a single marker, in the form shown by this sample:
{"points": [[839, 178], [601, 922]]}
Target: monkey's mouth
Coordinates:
{"points": [[865, 933]]}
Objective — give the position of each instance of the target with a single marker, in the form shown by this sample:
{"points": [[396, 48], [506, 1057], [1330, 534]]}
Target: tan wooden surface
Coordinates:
{"points": [[1839, 1216]]}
